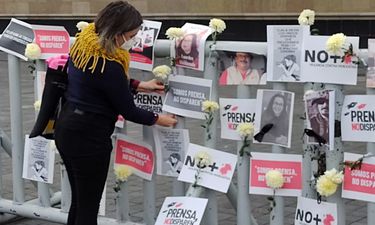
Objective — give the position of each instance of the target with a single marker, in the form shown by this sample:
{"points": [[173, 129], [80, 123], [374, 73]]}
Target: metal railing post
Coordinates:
{"points": [[243, 173], [277, 213], [336, 156], [17, 135]]}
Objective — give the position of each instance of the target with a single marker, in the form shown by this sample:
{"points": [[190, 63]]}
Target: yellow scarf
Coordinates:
{"points": [[87, 46]]}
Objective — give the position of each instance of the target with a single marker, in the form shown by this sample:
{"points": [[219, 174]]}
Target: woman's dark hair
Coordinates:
{"points": [[116, 18], [269, 113], [194, 47]]}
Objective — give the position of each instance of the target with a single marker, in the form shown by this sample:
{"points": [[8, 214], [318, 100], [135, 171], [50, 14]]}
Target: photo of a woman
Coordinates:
{"points": [[276, 108], [187, 51], [290, 68], [40, 172]]}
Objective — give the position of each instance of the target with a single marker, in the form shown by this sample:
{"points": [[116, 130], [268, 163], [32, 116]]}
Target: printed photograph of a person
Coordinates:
{"points": [[187, 53], [39, 171], [242, 68], [290, 69], [277, 107], [174, 165], [317, 109]]}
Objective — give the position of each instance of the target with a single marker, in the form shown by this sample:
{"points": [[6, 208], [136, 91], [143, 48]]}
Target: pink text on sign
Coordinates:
{"points": [[291, 172], [360, 180], [134, 155]]}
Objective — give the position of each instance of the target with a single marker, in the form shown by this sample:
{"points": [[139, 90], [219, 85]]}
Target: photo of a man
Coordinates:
{"points": [[242, 68], [317, 105]]}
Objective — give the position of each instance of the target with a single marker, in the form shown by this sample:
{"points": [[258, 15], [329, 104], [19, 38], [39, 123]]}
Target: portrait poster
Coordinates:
{"points": [[185, 96], [170, 146], [233, 112], [370, 76], [310, 212], [142, 53], [320, 115], [15, 37], [289, 165], [39, 160], [136, 154], [274, 107], [217, 175], [358, 118], [359, 183], [152, 102], [189, 50], [52, 40], [181, 210], [284, 51], [323, 67], [239, 66]]}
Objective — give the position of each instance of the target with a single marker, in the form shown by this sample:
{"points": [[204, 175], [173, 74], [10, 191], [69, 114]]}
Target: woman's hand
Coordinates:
{"points": [[166, 120], [151, 86]]}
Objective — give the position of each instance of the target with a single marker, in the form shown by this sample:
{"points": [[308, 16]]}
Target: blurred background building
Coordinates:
{"points": [[246, 19]]}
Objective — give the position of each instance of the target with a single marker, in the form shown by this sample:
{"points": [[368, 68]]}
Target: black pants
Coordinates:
{"points": [[83, 140]]}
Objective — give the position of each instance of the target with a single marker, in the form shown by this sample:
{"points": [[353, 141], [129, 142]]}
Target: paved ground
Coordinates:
{"points": [[355, 210]]}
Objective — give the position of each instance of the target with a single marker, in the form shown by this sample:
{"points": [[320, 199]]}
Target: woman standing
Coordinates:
{"points": [[99, 89]]}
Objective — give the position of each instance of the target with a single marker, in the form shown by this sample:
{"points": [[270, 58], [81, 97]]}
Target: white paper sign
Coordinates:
{"points": [[234, 112], [274, 107], [358, 118], [320, 115], [171, 146], [320, 66], [181, 210], [309, 212], [186, 94], [217, 175], [39, 160], [284, 46], [359, 183]]}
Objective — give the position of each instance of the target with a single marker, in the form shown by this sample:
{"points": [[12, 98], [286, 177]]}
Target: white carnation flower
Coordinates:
{"points": [[202, 158], [217, 25], [307, 17], [161, 72], [246, 129], [33, 51], [274, 179], [335, 43], [209, 106], [82, 25], [174, 33], [37, 105]]}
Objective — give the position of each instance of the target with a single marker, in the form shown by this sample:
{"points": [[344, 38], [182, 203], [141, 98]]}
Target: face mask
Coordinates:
{"points": [[127, 45]]}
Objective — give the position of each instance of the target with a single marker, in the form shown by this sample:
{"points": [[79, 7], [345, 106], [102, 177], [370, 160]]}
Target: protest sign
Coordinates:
{"points": [[310, 212]]}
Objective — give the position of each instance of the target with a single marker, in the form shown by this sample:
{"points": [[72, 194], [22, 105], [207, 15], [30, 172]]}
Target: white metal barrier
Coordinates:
{"points": [[238, 195]]}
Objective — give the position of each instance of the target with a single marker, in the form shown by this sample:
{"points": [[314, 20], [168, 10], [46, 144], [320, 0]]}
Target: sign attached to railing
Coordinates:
{"points": [[15, 38], [137, 155], [359, 183], [181, 210], [288, 164], [310, 212], [52, 40], [142, 53], [186, 94], [358, 118]]}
